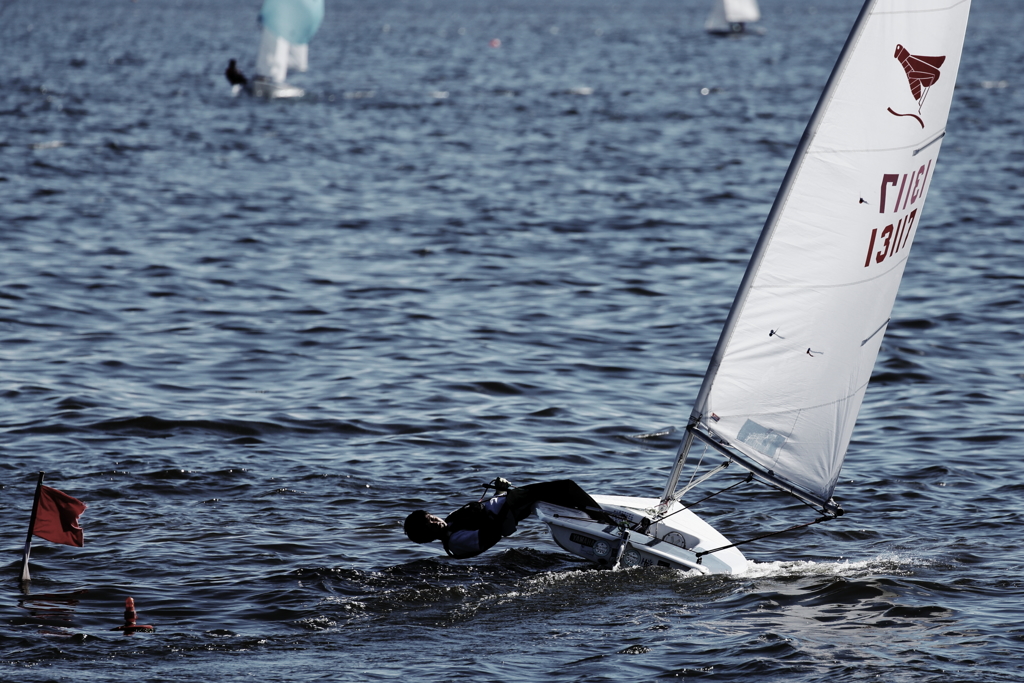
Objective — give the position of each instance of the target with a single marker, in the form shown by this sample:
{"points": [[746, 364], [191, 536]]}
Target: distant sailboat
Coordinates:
{"points": [[287, 28], [785, 383], [731, 16]]}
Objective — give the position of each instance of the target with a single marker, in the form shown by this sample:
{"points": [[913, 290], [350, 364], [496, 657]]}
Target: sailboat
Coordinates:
{"points": [[731, 16], [787, 377], [287, 28]]}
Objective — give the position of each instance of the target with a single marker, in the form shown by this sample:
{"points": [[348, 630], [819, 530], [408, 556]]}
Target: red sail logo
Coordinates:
{"points": [[922, 73]]}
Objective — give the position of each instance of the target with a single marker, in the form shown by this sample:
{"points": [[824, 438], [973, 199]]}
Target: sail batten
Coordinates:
{"points": [[788, 375]]}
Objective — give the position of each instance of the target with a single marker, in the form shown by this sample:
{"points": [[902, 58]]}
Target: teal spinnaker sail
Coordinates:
{"points": [[296, 21]]}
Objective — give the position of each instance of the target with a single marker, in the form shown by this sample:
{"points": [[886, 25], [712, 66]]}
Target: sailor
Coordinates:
{"points": [[234, 76], [477, 526]]}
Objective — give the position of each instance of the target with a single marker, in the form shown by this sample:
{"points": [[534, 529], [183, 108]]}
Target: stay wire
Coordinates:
{"points": [[697, 467], [746, 480], [749, 478]]}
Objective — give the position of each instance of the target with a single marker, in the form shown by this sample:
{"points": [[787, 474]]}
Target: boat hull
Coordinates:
{"points": [[673, 542], [271, 90], [726, 29]]}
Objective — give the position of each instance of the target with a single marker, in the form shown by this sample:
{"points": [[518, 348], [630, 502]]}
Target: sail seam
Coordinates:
{"points": [[877, 149], [870, 151], [802, 286], [798, 408]]}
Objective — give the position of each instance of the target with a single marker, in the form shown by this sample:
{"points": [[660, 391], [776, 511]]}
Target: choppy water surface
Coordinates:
{"points": [[252, 336]]}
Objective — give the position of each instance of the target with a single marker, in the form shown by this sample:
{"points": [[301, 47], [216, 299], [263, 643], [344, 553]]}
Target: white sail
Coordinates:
{"points": [[298, 57], [727, 13], [786, 381], [272, 57]]}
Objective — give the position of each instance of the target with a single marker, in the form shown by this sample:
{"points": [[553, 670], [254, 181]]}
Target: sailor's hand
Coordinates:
{"points": [[502, 484]]}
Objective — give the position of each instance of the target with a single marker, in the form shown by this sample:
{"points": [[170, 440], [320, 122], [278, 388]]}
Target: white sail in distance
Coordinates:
{"points": [[787, 378], [725, 13]]}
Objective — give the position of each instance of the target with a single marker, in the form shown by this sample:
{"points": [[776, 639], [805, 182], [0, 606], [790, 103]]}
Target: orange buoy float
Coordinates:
{"points": [[129, 620]]}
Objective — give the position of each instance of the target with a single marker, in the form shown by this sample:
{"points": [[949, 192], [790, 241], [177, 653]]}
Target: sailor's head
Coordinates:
{"points": [[423, 527]]}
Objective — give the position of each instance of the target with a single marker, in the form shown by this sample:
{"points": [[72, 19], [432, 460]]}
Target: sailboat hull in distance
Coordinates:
{"points": [[731, 16], [262, 87], [674, 542]]}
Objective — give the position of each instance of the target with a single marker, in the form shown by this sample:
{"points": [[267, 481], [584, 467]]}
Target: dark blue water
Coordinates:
{"points": [[253, 335]]}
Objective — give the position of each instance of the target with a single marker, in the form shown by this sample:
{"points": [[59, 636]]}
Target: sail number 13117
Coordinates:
{"points": [[907, 189]]}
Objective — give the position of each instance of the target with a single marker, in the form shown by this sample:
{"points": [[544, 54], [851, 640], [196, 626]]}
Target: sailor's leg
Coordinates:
{"points": [[520, 503], [272, 59], [563, 492]]}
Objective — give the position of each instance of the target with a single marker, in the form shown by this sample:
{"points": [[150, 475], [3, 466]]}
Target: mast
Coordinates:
{"points": [[696, 414], [25, 575]]}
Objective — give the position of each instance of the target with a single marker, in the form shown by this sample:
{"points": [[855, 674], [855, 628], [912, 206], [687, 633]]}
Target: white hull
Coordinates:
{"points": [[673, 542], [276, 55], [261, 87]]}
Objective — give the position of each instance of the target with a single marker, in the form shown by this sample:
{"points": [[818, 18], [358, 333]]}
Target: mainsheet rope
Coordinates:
{"points": [[749, 478], [702, 553]]}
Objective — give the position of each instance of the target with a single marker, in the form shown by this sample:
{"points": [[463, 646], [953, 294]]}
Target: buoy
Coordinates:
{"points": [[496, 42], [129, 620]]}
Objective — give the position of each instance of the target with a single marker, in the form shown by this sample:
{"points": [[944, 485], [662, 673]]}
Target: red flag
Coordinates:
{"points": [[57, 517]]}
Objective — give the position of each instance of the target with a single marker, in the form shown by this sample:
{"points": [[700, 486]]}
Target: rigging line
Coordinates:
{"points": [[702, 553], [765, 475], [679, 494], [749, 478], [697, 467], [808, 505]]}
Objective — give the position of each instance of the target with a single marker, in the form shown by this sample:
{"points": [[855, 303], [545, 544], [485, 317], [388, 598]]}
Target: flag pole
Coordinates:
{"points": [[31, 527]]}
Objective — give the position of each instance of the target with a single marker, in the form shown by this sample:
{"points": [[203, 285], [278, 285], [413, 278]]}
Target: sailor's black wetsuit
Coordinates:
{"points": [[477, 526]]}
